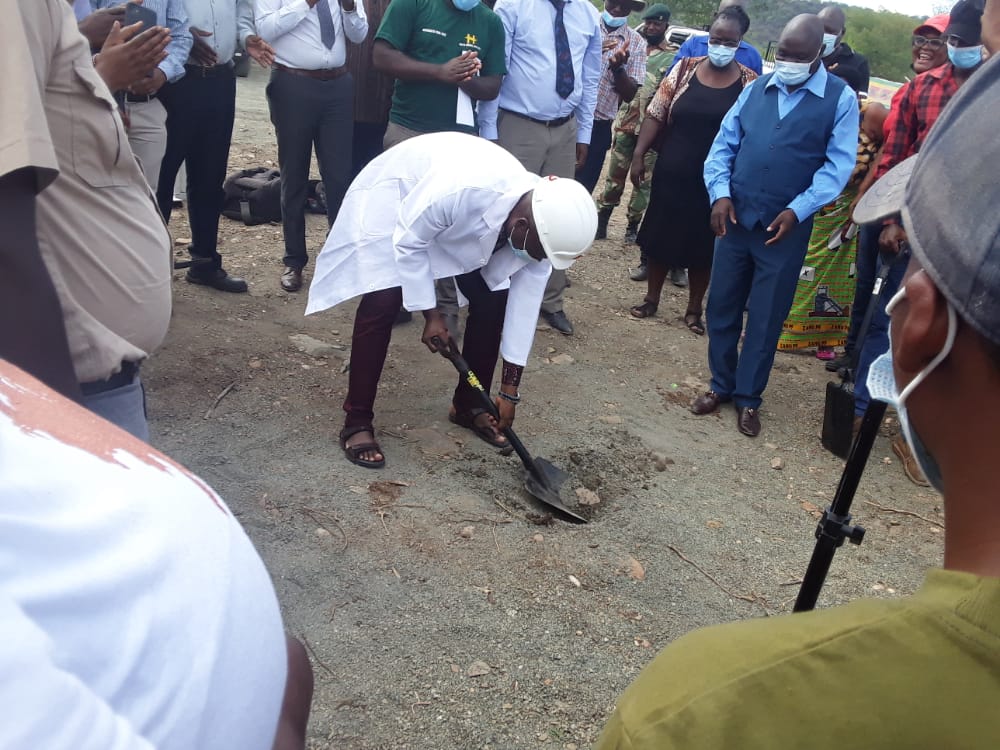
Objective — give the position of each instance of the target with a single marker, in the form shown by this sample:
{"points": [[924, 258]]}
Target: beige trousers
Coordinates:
{"points": [[545, 151], [147, 135]]}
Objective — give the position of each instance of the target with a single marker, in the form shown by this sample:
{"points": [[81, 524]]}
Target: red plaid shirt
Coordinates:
{"points": [[920, 104]]}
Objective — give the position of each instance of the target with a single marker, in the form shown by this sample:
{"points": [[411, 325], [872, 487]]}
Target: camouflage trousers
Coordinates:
{"points": [[618, 168]]}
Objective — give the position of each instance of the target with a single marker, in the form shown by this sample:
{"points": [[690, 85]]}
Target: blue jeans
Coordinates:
{"points": [[876, 342], [124, 407], [749, 275]]}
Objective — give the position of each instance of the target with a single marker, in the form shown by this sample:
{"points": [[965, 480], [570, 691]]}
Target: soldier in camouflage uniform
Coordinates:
{"points": [[658, 59]]}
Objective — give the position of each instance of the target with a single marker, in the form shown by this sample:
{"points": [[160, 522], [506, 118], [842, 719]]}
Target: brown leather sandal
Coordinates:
{"points": [[646, 310], [467, 419], [354, 452]]}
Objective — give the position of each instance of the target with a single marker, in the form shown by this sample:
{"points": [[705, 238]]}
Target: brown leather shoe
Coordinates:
{"points": [[748, 421], [291, 279], [910, 466], [707, 402]]}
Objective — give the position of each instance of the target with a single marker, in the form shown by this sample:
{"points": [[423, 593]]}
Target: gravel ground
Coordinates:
{"points": [[438, 612]]}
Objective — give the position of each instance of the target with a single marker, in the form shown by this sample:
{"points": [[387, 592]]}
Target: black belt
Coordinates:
{"points": [[210, 71], [547, 123], [120, 379], [138, 98]]}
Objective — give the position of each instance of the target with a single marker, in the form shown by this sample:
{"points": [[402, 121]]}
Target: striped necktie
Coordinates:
{"points": [[564, 58], [326, 31]]}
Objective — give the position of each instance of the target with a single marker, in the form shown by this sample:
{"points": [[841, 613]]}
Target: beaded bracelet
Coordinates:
{"points": [[515, 399]]}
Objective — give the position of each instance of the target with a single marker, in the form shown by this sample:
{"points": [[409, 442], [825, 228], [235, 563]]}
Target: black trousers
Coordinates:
{"points": [[373, 330], [600, 142], [306, 112], [200, 114], [367, 144]]}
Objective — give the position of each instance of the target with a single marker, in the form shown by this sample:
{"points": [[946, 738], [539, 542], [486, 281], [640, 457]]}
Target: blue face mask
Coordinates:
{"points": [[520, 252], [465, 5], [965, 58], [720, 56], [829, 45], [613, 22], [792, 73], [882, 386]]}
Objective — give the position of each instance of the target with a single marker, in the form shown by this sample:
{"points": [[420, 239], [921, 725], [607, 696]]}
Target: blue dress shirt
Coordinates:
{"points": [[696, 45], [173, 15], [841, 151], [529, 87]]}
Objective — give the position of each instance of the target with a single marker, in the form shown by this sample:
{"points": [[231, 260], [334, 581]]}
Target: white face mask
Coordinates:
{"points": [[792, 73], [829, 44], [520, 252], [882, 386]]}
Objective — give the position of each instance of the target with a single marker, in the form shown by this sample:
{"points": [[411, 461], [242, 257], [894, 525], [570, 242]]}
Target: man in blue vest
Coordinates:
{"points": [[785, 150]]}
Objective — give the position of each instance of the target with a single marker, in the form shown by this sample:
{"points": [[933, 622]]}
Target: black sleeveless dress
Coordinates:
{"points": [[676, 229]]}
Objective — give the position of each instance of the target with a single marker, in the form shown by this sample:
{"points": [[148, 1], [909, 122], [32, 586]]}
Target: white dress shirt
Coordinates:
{"points": [[292, 28], [529, 87], [228, 20], [430, 208]]}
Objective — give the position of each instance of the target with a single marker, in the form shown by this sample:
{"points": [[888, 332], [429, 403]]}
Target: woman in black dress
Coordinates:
{"points": [[684, 118]]}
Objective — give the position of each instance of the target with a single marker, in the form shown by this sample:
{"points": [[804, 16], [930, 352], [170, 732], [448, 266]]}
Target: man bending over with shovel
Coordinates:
{"points": [[437, 206]]}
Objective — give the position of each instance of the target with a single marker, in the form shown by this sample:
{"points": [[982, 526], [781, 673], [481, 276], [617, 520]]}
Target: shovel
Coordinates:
{"points": [[542, 479]]}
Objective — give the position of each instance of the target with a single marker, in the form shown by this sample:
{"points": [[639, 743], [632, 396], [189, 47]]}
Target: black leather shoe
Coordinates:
{"points": [[834, 365], [707, 402], [559, 321], [291, 279], [748, 421], [218, 279]]}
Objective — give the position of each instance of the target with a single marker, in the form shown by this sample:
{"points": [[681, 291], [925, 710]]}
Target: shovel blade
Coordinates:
{"points": [[545, 487]]}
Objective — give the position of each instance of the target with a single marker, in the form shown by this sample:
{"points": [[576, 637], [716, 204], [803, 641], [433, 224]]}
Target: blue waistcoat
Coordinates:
{"points": [[778, 158]]}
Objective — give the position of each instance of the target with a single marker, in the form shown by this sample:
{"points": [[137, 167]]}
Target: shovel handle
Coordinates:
{"points": [[450, 352]]}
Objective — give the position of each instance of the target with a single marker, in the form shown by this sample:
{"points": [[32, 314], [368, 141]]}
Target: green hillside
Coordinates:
{"points": [[882, 36]]}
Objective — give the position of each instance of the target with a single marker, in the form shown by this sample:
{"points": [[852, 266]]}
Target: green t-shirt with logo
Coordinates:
{"points": [[435, 31]]}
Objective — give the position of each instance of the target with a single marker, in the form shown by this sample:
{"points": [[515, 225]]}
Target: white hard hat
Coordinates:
{"points": [[566, 218]]}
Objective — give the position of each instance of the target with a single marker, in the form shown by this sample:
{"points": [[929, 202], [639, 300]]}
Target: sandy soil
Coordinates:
{"points": [[438, 615]]}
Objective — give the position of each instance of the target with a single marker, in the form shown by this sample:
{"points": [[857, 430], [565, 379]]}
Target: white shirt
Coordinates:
{"points": [[292, 28], [228, 20], [134, 611], [430, 208]]}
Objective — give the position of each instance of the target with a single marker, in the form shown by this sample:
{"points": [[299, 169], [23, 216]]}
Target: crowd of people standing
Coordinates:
{"points": [[747, 187]]}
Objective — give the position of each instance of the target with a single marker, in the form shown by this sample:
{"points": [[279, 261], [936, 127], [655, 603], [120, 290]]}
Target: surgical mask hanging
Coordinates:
{"points": [[829, 44], [792, 73], [465, 5], [882, 386], [520, 252], [965, 58], [613, 22], [720, 56]]}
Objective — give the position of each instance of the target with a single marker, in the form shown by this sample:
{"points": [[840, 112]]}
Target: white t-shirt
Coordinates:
{"points": [[134, 611]]}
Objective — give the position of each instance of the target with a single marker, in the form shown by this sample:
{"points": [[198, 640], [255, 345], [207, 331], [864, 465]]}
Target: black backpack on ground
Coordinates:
{"points": [[252, 196]]}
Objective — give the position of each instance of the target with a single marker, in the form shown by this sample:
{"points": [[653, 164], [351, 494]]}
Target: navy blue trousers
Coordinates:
{"points": [[749, 276], [876, 342]]}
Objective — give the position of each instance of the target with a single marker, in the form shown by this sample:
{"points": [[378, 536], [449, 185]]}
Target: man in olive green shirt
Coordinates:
{"points": [[917, 672]]}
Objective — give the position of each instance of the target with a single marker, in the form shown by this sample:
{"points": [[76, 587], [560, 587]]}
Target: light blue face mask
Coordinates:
{"points": [[613, 22], [720, 56], [520, 252], [465, 5], [882, 386], [829, 45], [965, 58], [792, 73]]}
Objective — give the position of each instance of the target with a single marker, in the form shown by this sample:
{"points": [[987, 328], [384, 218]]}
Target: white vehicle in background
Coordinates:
{"points": [[677, 35]]}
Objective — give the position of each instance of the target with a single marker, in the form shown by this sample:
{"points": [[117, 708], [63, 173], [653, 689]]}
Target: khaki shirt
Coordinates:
{"points": [[100, 234]]}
